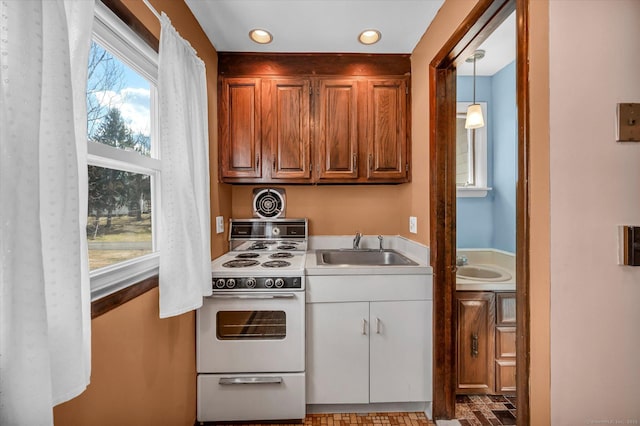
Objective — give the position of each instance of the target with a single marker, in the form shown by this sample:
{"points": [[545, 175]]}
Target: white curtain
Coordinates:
{"points": [[44, 285], [185, 252]]}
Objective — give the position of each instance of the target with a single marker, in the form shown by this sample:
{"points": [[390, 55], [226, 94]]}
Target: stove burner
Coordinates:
{"points": [[282, 255], [240, 263], [286, 247], [247, 255], [261, 245], [276, 264]]}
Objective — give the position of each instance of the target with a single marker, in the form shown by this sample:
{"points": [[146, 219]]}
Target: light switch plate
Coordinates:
{"points": [[413, 224], [628, 123], [219, 224]]}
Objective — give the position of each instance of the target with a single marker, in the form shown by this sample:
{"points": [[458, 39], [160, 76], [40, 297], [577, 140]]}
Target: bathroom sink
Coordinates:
{"points": [[482, 273], [386, 257]]}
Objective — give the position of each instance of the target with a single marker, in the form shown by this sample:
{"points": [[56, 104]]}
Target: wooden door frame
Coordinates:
{"points": [[483, 19]]}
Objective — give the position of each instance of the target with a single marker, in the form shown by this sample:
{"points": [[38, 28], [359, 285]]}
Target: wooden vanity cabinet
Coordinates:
{"points": [[486, 342], [506, 343], [332, 119], [475, 339]]}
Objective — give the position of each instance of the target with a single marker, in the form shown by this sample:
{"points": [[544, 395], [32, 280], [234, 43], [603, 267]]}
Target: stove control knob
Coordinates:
{"points": [[279, 282], [231, 283], [251, 282], [220, 283], [268, 283]]}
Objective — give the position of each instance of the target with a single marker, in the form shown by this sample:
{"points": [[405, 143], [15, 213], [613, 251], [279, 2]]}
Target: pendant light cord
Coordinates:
{"points": [[474, 78]]}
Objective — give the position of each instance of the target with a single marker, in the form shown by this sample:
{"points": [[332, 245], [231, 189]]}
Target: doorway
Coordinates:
{"points": [[486, 16]]}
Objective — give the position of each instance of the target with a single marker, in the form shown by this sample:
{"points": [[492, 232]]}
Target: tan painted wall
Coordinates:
{"points": [[540, 228], [143, 368], [340, 210], [595, 339]]}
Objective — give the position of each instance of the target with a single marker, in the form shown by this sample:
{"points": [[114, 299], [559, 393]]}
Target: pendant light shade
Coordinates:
{"points": [[475, 119]]}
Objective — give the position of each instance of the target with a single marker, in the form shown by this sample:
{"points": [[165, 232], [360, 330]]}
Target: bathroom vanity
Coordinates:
{"points": [[486, 342]]}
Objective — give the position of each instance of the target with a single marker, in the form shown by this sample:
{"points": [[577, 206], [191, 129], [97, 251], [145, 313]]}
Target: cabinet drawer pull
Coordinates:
{"points": [[355, 162], [249, 380], [257, 161], [364, 327], [474, 345], [274, 164], [370, 162], [377, 325]]}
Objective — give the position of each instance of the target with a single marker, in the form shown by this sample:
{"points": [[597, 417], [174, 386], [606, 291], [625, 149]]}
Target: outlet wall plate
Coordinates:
{"points": [[219, 224], [413, 224]]}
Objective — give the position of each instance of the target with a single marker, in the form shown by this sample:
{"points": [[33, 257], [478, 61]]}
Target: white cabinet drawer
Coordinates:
{"points": [[366, 288], [243, 397]]}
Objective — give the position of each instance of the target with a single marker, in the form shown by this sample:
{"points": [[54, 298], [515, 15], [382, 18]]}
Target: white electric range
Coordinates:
{"points": [[251, 331]]}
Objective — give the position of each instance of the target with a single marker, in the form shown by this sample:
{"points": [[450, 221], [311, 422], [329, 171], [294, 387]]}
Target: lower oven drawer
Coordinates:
{"points": [[243, 397]]}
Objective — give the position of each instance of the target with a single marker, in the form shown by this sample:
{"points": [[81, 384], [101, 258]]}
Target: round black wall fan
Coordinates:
{"points": [[268, 203]]}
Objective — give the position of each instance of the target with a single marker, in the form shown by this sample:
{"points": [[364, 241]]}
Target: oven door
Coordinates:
{"points": [[251, 332]]}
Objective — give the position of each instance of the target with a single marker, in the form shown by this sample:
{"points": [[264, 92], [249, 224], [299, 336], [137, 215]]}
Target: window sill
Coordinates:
{"points": [[472, 191], [114, 278]]}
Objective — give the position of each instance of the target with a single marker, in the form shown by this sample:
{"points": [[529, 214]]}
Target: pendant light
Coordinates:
{"points": [[475, 119]]}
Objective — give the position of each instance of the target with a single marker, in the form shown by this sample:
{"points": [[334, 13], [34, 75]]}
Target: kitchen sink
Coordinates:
{"points": [[386, 257], [483, 273]]}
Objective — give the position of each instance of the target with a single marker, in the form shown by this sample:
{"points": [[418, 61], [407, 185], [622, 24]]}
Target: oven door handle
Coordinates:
{"points": [[249, 380], [254, 296]]}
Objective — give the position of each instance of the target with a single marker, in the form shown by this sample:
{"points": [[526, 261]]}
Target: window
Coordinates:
{"points": [[123, 162], [471, 155]]}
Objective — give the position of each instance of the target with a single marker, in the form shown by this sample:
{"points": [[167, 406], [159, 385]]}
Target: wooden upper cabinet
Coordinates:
{"points": [[240, 128], [387, 129], [286, 127], [313, 118], [337, 128]]}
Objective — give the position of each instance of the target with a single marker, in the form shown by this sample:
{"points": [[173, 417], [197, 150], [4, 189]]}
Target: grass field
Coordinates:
{"points": [[121, 241]]}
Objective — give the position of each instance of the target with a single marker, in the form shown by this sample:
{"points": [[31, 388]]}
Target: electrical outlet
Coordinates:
{"points": [[219, 224], [413, 224]]}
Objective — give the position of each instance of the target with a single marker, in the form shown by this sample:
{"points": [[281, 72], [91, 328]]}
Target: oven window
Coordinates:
{"points": [[251, 325]]}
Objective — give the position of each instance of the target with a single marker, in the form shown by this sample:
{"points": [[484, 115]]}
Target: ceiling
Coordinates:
{"points": [[332, 26], [328, 26]]}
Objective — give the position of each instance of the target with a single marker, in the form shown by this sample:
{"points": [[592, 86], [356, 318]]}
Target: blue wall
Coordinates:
{"points": [[489, 222]]}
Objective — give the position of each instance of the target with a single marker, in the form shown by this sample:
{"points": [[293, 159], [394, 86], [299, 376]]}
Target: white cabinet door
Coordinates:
{"points": [[401, 342], [338, 353]]}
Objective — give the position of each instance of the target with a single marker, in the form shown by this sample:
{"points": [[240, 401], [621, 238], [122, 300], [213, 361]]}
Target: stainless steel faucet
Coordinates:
{"points": [[461, 260], [356, 241], [380, 241]]}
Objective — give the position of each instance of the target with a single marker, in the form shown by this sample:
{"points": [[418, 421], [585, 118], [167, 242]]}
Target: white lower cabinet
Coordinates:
{"points": [[400, 351], [338, 353], [369, 352]]}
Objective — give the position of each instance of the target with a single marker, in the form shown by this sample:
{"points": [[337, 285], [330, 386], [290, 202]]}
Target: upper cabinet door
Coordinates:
{"points": [[286, 127], [337, 129], [240, 128], [386, 129]]}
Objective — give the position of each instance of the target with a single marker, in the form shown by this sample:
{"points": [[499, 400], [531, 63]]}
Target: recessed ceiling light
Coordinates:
{"points": [[369, 36], [260, 36]]}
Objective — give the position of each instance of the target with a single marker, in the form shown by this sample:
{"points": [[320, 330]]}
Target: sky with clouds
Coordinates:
{"points": [[133, 99]]}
